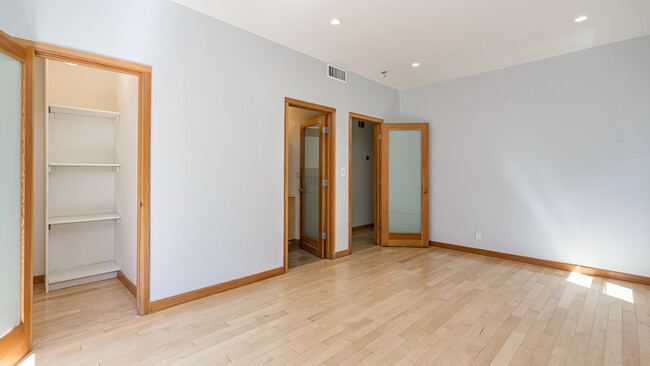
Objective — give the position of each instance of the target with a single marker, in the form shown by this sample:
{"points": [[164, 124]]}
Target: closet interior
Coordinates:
{"points": [[86, 124]]}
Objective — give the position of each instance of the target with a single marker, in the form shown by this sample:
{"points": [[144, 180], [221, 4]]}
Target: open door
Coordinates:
{"points": [[16, 164], [405, 184], [313, 185]]}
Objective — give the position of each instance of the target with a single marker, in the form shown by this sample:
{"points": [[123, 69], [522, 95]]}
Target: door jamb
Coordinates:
{"points": [[330, 168], [375, 122], [143, 73]]}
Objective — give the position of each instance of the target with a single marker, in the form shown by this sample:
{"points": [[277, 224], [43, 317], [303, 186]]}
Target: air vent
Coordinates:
{"points": [[337, 73]]}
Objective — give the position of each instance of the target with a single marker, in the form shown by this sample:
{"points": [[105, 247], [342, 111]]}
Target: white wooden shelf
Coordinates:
{"points": [[84, 112], [86, 164], [51, 166], [56, 220], [62, 275]]}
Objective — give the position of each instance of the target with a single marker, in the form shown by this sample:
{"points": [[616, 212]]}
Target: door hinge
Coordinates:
{"points": [[324, 236], [324, 182], [324, 129], [380, 136], [379, 180], [379, 226]]}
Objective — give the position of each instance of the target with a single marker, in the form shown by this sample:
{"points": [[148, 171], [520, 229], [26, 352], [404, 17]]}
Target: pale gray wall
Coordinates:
{"points": [[214, 87], [362, 173], [549, 159]]}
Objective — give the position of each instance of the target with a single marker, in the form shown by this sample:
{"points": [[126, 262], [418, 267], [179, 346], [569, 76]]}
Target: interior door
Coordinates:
{"points": [[405, 184], [312, 187], [16, 161]]}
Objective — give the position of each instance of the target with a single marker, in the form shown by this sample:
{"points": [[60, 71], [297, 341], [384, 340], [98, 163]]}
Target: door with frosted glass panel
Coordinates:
{"points": [[16, 160], [405, 184], [312, 191]]}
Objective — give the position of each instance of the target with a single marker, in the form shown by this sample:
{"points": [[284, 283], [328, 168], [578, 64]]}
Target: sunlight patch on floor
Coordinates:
{"points": [[580, 279], [619, 292]]}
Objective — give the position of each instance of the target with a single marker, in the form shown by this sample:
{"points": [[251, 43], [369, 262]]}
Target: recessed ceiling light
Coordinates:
{"points": [[415, 64], [336, 21], [70, 63], [581, 18]]}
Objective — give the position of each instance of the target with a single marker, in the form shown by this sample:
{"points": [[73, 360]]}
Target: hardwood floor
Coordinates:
{"points": [[363, 239], [298, 256], [378, 306]]}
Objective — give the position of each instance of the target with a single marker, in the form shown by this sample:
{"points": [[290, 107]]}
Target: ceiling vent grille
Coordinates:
{"points": [[337, 73]]}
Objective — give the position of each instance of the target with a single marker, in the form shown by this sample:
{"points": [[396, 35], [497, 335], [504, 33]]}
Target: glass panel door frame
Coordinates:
{"points": [[314, 245], [18, 342], [405, 239]]}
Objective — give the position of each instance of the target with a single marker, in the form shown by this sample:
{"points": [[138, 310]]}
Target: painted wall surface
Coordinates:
{"points": [[211, 90], [549, 159], [126, 187], [294, 117], [39, 229], [362, 173]]}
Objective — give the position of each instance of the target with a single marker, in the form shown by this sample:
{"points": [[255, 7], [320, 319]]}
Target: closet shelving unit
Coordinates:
{"points": [[80, 196]]}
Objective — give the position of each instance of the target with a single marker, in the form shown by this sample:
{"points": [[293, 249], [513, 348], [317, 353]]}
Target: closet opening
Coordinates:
{"points": [[309, 187], [91, 185], [364, 183]]}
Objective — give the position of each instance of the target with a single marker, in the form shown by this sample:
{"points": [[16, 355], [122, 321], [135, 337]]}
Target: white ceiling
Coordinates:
{"points": [[450, 38]]}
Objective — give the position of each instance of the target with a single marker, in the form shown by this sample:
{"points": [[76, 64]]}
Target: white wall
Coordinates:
{"points": [[549, 159], [294, 117], [126, 187], [214, 87], [362, 173]]}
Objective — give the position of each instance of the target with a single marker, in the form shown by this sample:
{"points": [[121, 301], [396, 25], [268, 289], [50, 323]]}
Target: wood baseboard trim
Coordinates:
{"points": [[168, 302], [128, 284], [342, 253], [39, 279], [361, 227], [547, 263]]}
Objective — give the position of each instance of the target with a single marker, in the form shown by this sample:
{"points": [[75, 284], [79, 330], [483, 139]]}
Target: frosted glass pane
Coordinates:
{"points": [[405, 182], [11, 75], [311, 187]]}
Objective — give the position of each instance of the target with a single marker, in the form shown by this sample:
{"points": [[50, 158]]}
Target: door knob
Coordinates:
{"points": [[300, 190], [425, 191]]}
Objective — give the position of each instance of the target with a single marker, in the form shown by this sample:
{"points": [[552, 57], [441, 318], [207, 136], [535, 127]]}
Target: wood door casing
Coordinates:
{"points": [[313, 245], [405, 239], [18, 342]]}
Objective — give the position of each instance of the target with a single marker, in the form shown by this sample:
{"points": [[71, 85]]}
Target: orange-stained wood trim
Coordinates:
{"points": [[17, 343], [361, 227], [331, 175], [127, 283], [342, 253], [87, 59], [547, 263], [165, 303], [11, 47], [363, 118], [377, 200], [404, 236], [144, 184], [144, 147], [39, 279]]}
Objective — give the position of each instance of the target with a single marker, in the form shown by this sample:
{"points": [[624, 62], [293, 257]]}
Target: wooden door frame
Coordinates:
{"points": [[376, 122], [143, 73], [330, 114], [319, 252], [401, 239], [19, 340]]}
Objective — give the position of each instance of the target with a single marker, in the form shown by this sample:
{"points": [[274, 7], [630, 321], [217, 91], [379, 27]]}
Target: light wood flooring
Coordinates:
{"points": [[379, 306], [298, 257]]}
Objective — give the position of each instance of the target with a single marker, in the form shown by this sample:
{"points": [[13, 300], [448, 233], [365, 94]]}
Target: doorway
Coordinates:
{"points": [[309, 187], [364, 204]]}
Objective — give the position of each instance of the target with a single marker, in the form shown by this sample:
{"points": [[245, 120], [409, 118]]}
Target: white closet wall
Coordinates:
{"points": [[82, 136], [126, 190]]}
